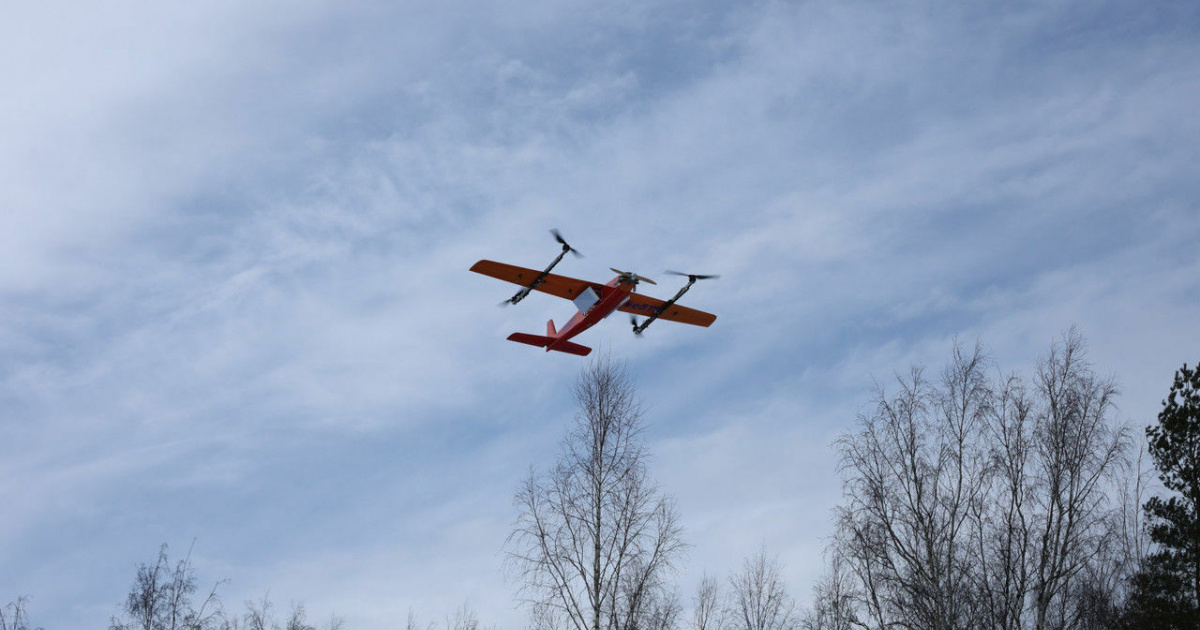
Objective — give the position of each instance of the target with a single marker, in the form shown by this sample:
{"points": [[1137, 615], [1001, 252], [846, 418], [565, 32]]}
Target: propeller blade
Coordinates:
{"points": [[562, 241], [691, 276], [629, 275]]}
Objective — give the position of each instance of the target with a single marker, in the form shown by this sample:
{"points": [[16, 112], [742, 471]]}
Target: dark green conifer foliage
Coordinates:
{"points": [[1166, 592]]}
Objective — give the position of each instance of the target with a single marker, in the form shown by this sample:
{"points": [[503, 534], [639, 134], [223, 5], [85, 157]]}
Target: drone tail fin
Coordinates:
{"points": [[545, 342], [533, 340], [571, 348]]}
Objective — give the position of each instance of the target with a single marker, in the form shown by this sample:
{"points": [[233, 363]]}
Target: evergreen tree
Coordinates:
{"points": [[1166, 592]]}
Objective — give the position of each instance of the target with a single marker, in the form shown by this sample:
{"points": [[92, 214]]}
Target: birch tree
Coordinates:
{"points": [[759, 599], [161, 599], [982, 500], [596, 541], [708, 611], [13, 615]]}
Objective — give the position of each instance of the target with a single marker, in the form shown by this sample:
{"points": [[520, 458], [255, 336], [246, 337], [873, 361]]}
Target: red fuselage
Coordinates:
{"points": [[615, 294]]}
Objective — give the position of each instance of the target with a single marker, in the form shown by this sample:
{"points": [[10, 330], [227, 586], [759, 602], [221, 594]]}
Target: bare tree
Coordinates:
{"points": [[1078, 454], [464, 618], [1002, 532], [758, 599], [161, 599], [260, 615], [412, 623], [13, 615], [297, 619], [912, 473], [981, 502], [708, 611], [833, 600], [661, 611], [595, 539]]}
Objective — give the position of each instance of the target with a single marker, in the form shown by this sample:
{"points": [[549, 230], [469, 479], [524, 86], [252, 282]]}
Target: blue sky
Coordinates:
{"points": [[234, 242]]}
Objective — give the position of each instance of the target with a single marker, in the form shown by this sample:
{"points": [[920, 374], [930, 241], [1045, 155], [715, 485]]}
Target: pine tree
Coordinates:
{"points": [[1166, 592]]}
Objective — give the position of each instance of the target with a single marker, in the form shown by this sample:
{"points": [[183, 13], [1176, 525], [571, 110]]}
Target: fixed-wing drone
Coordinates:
{"points": [[594, 301]]}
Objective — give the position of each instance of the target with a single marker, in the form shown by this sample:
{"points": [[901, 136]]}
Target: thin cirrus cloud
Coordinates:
{"points": [[235, 304]]}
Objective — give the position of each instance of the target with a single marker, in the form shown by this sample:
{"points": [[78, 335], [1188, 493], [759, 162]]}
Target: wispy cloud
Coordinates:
{"points": [[234, 302]]}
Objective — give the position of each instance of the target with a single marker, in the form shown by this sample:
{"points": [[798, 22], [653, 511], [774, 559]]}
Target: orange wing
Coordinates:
{"points": [[570, 288], [639, 304], [561, 286]]}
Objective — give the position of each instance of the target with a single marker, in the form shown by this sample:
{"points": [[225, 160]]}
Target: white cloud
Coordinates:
{"points": [[235, 298]]}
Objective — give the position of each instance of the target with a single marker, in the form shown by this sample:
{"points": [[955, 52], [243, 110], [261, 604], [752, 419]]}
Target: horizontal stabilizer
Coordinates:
{"points": [[544, 342], [533, 340], [572, 348]]}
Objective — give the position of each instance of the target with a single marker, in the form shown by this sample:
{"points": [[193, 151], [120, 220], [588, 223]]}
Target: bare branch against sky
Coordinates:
{"points": [[596, 542], [234, 242]]}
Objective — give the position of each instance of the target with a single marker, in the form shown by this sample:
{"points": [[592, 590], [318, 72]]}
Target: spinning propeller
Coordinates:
{"points": [[566, 248], [630, 277], [692, 278], [542, 276]]}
